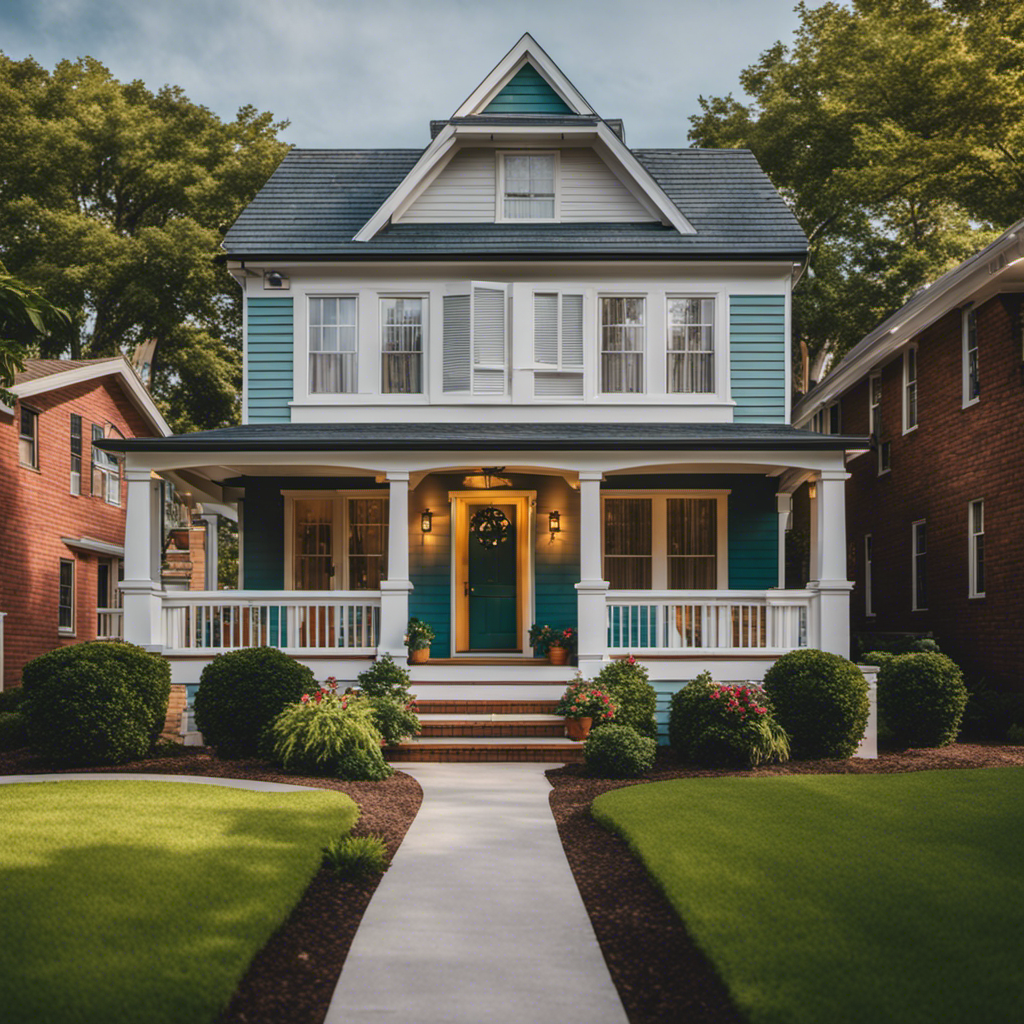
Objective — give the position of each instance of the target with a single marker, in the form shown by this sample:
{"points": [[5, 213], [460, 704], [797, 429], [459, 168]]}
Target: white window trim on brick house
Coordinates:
{"points": [[976, 547], [969, 333], [910, 391], [915, 556]]}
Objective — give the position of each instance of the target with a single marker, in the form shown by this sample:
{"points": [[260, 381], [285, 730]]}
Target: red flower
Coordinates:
{"points": [[305, 698]]}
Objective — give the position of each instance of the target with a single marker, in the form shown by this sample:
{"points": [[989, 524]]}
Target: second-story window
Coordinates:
{"points": [[76, 454], [972, 385], [623, 335], [919, 566], [875, 404], [401, 345], [333, 359], [528, 186], [976, 548], [28, 438], [910, 388], [691, 346], [106, 471]]}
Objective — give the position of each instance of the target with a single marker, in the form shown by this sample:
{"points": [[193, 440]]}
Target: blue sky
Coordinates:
{"points": [[362, 73]]}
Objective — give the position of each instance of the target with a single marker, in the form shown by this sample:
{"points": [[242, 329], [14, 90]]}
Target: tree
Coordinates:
{"points": [[113, 202], [895, 129]]}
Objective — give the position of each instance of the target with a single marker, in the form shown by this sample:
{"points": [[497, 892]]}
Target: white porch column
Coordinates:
{"points": [[592, 615], [395, 590], [142, 594], [829, 562], [784, 506]]}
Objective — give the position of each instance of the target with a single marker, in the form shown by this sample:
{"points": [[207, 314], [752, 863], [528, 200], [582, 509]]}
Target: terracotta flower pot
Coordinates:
{"points": [[558, 655], [419, 656], [578, 728]]}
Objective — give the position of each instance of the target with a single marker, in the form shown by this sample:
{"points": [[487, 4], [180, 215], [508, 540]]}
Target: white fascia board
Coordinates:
{"points": [[117, 366], [437, 149], [97, 547], [952, 290], [527, 49], [6, 410]]}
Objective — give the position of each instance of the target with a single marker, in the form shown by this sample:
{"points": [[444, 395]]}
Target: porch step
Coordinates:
{"points": [[480, 748], [485, 707], [508, 726]]}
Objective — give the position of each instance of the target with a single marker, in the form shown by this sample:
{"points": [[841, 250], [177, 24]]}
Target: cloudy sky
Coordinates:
{"points": [[353, 73]]}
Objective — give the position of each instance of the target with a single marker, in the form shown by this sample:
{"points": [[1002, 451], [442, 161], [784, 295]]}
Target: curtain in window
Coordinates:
{"points": [[367, 542], [622, 346], [529, 187], [314, 555], [332, 346], [691, 345], [401, 369], [627, 543], [692, 525]]}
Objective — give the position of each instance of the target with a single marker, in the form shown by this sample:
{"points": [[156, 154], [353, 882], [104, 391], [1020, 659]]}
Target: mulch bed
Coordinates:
{"points": [[293, 977], [661, 975]]}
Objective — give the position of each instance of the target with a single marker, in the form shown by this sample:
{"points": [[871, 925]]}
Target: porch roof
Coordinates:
{"points": [[278, 437]]}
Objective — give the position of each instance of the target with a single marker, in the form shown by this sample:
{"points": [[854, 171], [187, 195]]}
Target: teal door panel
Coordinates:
{"points": [[492, 586]]}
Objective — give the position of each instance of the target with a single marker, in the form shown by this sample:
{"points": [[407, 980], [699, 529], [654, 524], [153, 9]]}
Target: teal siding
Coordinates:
{"points": [[269, 344], [430, 572], [757, 357], [263, 536], [527, 92]]}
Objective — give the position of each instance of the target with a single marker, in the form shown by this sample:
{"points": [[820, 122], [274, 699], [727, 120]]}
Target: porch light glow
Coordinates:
{"points": [[426, 520], [555, 522], [812, 491]]}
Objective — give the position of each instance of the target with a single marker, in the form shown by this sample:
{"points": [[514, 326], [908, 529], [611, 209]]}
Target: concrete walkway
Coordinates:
{"points": [[479, 920]]}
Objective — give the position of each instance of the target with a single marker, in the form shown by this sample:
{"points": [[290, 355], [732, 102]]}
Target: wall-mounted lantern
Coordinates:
{"points": [[555, 522], [426, 520]]}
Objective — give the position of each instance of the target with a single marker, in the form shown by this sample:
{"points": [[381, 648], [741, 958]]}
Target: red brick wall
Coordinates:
{"points": [[37, 509], [955, 456]]}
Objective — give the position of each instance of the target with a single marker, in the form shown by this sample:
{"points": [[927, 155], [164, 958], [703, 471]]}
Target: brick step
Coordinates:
{"points": [[552, 751], [485, 707], [508, 726]]}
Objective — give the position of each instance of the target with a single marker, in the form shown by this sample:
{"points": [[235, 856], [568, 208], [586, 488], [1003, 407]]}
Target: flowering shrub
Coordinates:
{"points": [[625, 681], [544, 637], [585, 700], [725, 724], [395, 719]]}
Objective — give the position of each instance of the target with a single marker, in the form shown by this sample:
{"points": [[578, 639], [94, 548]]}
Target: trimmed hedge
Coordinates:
{"points": [[241, 692], [618, 752], [625, 681], [821, 700], [922, 699], [99, 702], [13, 730]]}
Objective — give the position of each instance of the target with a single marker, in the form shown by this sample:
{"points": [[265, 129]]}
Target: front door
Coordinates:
{"points": [[491, 577]]}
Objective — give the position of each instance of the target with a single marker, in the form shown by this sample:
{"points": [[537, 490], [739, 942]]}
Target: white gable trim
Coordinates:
{"points": [[527, 50]]}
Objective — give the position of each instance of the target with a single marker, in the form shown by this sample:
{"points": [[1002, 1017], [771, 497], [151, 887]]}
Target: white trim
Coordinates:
{"points": [[972, 549], [71, 630], [914, 596], [302, 351], [499, 186], [98, 547], [874, 408], [968, 314], [907, 425]]}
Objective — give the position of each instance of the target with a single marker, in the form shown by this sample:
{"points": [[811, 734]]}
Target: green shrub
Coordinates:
{"points": [[821, 700], [385, 679], [1015, 735], [394, 720], [922, 697], [714, 724], [100, 702], [328, 735], [618, 752], [11, 700], [13, 730], [241, 692], [357, 856], [877, 658], [625, 681], [990, 714]]}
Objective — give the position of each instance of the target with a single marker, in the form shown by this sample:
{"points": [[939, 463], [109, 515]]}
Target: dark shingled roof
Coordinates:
{"points": [[317, 200], [38, 368], [483, 436]]}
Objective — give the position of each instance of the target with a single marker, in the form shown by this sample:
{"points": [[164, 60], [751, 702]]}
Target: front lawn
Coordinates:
{"points": [[129, 901], [844, 898]]}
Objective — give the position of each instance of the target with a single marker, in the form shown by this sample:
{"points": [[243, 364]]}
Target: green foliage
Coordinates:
{"points": [[585, 700], [357, 856], [821, 700], [393, 719], [991, 713], [543, 638], [418, 634], [168, 748], [618, 752], [1015, 735], [877, 658], [385, 679], [100, 702], [711, 724], [227, 554], [625, 681], [12, 699], [922, 698], [241, 692], [113, 201], [13, 730], [328, 735]]}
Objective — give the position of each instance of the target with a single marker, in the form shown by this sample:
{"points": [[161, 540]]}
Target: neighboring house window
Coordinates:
{"points": [[834, 419], [976, 547], [401, 344], [623, 335], [919, 566], [108, 597], [691, 346], [910, 389], [333, 359], [826, 420], [884, 457], [875, 404], [76, 454], [106, 471], [869, 603], [972, 386], [528, 186], [28, 438], [66, 597], [558, 345]]}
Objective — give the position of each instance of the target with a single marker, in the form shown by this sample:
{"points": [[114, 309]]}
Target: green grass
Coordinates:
{"points": [[845, 898], [144, 902]]}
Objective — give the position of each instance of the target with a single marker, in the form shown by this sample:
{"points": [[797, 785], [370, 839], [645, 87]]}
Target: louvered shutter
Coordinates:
{"points": [[545, 329], [572, 331], [457, 343], [475, 342], [558, 343]]}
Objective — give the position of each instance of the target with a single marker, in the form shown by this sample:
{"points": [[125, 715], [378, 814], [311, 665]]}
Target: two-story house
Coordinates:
{"points": [[934, 507], [525, 374]]}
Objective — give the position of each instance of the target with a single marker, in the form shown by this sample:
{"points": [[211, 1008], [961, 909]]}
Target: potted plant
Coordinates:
{"points": [[556, 643], [418, 637], [582, 705]]}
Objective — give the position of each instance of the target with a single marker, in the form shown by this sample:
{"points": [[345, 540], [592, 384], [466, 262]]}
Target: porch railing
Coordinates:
{"points": [[728, 620], [109, 623], [307, 620]]}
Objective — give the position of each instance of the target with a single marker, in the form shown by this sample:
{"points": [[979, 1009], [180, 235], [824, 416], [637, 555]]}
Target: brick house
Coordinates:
{"points": [[935, 510], [62, 503]]}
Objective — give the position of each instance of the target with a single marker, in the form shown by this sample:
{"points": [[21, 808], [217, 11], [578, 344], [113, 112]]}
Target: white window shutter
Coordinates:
{"points": [[475, 344], [457, 342], [572, 331], [545, 329]]}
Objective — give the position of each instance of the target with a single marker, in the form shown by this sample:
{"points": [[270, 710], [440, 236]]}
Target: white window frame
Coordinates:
{"points": [[874, 408], [869, 604], [328, 396], [34, 442], [75, 477], [642, 352], [72, 629], [105, 465], [383, 297], [560, 366], [659, 530], [499, 191], [972, 548], [915, 597], [716, 335], [908, 386], [884, 468], [969, 319]]}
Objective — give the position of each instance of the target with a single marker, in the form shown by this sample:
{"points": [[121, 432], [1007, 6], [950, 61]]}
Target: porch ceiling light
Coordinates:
{"points": [[555, 522], [426, 520]]}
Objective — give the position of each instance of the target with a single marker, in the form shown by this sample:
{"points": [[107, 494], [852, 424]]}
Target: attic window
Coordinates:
{"points": [[528, 186]]}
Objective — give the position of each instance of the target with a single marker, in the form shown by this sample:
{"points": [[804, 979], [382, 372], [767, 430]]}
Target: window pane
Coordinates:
{"points": [[627, 543], [622, 345], [692, 525], [27, 449], [401, 346], [314, 556], [367, 542], [66, 596]]}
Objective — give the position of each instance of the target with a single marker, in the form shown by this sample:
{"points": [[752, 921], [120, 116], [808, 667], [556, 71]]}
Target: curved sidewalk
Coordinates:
{"points": [[479, 920]]}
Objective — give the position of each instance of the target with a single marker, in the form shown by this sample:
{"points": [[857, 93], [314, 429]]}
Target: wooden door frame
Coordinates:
{"points": [[526, 503]]}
